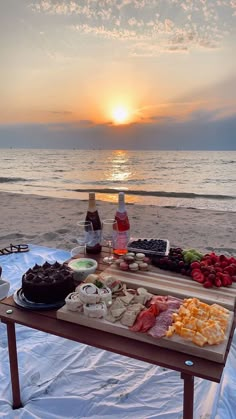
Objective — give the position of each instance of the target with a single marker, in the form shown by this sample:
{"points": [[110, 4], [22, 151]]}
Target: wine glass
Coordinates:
{"points": [[84, 234], [77, 251], [109, 231]]}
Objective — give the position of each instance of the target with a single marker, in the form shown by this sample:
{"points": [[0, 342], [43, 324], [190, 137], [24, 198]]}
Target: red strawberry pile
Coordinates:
{"points": [[213, 270]]}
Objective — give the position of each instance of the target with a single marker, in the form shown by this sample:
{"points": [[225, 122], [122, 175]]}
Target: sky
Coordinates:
{"points": [[132, 74]]}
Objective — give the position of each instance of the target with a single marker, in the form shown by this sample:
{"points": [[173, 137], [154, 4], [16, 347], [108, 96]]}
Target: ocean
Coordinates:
{"points": [[196, 179]]}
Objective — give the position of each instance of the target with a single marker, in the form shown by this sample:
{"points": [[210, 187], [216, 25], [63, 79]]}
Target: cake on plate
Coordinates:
{"points": [[48, 283]]}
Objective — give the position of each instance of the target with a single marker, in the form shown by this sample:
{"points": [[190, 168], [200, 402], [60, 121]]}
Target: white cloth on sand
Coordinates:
{"points": [[64, 379]]}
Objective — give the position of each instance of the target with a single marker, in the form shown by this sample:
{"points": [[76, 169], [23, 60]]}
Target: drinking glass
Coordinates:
{"points": [[109, 231], [84, 234], [77, 251]]}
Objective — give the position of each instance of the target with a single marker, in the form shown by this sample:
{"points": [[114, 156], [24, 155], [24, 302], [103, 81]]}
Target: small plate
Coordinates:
{"points": [[22, 301]]}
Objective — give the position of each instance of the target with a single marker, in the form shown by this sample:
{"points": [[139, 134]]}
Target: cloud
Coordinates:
{"points": [[60, 113], [169, 26], [73, 125], [198, 133]]}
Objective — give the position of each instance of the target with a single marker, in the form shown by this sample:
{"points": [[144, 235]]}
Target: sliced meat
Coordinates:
{"points": [[146, 319], [160, 300], [174, 303], [162, 323], [170, 298], [165, 301]]}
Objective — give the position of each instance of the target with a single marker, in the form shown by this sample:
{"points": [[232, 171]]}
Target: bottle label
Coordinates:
{"points": [[122, 221]]}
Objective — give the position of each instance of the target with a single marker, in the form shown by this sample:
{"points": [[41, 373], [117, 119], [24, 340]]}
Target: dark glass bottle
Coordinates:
{"points": [[92, 215]]}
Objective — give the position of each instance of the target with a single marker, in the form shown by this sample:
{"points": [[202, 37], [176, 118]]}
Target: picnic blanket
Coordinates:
{"points": [[64, 379]]}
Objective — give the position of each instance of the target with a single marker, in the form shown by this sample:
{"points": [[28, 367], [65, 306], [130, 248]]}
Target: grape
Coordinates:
{"points": [[173, 262]]}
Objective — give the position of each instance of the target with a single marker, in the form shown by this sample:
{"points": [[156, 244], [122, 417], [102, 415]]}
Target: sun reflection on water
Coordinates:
{"points": [[120, 169]]}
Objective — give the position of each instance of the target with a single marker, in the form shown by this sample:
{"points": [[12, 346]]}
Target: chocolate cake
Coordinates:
{"points": [[47, 283]]}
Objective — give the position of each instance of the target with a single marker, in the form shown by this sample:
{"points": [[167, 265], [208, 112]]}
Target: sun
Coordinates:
{"points": [[120, 115]]}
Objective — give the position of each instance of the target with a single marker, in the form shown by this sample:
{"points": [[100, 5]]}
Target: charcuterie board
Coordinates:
{"points": [[215, 352], [177, 285], [134, 280]]}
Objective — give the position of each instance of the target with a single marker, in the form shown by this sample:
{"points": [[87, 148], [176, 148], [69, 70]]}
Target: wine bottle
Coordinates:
{"points": [[92, 215], [123, 234]]}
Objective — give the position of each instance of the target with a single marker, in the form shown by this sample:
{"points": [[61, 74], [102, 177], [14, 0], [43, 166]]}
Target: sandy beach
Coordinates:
{"points": [[51, 222]]}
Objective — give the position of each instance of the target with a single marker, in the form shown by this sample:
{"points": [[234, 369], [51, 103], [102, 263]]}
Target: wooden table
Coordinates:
{"points": [[47, 322]]}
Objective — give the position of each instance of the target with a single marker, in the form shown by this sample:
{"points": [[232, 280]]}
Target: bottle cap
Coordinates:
{"points": [[91, 195]]}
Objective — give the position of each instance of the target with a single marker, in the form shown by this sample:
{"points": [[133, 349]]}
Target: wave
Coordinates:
{"points": [[189, 195], [12, 179]]}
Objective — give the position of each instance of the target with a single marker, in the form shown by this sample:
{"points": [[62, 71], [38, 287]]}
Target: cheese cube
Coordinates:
{"points": [[214, 334], [199, 339], [187, 333]]}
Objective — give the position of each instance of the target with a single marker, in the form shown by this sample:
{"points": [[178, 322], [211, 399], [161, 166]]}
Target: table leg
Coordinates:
{"points": [[188, 396], [11, 335]]}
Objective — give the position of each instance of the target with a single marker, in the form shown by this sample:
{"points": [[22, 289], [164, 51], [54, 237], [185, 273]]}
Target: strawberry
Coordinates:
{"points": [[214, 258], [230, 281], [218, 282], [211, 277], [208, 284], [197, 275], [233, 265], [214, 270], [225, 280], [229, 269], [195, 265], [223, 264]]}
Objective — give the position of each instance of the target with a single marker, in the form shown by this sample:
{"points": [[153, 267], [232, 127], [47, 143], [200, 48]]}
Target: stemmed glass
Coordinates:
{"points": [[84, 233], [109, 231]]}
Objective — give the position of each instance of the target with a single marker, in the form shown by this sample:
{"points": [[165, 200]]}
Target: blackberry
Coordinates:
{"points": [[149, 246]]}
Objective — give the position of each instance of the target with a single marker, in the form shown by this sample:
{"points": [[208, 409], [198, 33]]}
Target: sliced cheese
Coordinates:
{"points": [[199, 322]]}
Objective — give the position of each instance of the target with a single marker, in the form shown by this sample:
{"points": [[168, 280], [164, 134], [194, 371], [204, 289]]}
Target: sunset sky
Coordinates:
{"points": [[118, 74]]}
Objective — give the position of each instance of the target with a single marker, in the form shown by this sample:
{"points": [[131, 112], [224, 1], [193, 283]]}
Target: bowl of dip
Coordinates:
{"points": [[82, 267]]}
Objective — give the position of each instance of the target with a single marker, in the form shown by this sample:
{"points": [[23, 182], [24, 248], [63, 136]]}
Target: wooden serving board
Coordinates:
{"points": [[156, 285], [164, 283], [214, 353]]}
